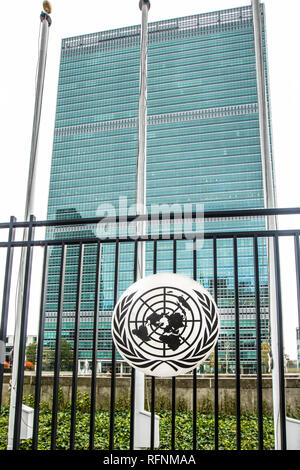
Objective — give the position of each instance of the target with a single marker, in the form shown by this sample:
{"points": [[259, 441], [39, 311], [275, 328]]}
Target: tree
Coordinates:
{"points": [[66, 355], [227, 348], [47, 358], [212, 359], [31, 352], [31, 355], [265, 356]]}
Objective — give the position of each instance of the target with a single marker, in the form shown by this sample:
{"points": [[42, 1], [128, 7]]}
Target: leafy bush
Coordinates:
{"points": [[29, 365], [183, 427], [183, 430]]}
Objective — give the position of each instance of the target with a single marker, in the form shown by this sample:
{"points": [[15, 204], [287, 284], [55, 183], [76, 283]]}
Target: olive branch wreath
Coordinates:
{"points": [[121, 339], [208, 339], [200, 351]]}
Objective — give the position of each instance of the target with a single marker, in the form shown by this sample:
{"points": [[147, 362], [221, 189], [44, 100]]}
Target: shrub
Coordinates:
{"points": [[29, 365], [183, 431]]}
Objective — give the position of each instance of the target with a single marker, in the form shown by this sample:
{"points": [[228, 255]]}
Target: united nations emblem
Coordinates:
{"points": [[165, 324]]}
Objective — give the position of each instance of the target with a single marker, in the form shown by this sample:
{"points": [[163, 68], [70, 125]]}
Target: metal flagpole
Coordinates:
{"points": [[263, 114], [141, 195], [271, 222], [29, 209], [142, 140]]}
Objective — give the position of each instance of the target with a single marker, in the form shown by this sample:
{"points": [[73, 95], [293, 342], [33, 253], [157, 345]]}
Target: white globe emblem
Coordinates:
{"points": [[165, 324]]}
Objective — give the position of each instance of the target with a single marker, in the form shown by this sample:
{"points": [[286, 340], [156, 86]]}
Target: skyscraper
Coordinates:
{"points": [[203, 147]]}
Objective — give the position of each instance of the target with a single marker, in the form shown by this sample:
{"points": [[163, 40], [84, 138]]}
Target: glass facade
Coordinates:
{"points": [[203, 147]]}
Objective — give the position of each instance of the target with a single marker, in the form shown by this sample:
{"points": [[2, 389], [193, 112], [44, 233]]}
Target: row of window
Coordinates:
{"points": [[120, 108], [165, 196], [163, 261], [68, 180], [186, 140], [166, 124], [246, 281], [82, 100], [174, 185], [89, 210], [175, 125], [239, 34], [76, 95], [99, 115], [230, 74], [237, 41], [68, 172], [214, 160], [166, 64]]}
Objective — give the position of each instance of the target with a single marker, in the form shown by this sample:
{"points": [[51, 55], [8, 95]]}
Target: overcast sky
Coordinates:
{"points": [[19, 31]]}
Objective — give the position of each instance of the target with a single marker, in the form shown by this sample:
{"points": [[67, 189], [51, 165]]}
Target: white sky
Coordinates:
{"points": [[19, 30]]}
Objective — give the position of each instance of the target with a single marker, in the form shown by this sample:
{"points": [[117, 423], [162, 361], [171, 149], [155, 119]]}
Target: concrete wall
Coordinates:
{"points": [[184, 391]]}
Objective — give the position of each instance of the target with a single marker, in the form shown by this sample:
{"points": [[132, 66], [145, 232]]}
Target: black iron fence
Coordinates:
{"points": [[30, 243]]}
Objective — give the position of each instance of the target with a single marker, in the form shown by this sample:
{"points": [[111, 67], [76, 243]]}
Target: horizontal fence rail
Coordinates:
{"points": [[160, 216], [217, 257]]}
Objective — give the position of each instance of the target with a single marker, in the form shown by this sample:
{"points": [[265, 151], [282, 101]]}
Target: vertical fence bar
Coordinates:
{"points": [[75, 347], [132, 391], [113, 357], [195, 370], [132, 394], [39, 354], [23, 333], [152, 431], [152, 435], [280, 345], [173, 436], [5, 301], [237, 346], [174, 256], [58, 346], [132, 411], [297, 262], [95, 348], [216, 365], [258, 345], [155, 257]]}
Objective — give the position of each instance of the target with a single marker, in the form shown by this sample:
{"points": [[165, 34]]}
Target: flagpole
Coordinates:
{"points": [[271, 223], [144, 6], [29, 210]]}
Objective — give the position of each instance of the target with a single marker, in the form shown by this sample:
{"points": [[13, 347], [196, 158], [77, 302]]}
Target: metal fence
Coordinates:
{"points": [[30, 244]]}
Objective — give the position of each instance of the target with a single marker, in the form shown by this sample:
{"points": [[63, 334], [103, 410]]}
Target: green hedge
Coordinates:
{"points": [[184, 431]]}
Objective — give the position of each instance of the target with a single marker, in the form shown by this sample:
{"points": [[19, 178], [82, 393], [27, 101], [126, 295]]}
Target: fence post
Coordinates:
{"points": [[17, 381], [57, 358], [280, 436], [5, 301], [39, 352]]}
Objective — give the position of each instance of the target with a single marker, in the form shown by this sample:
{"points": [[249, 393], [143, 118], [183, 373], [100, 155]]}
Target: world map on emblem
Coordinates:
{"points": [[165, 324]]}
